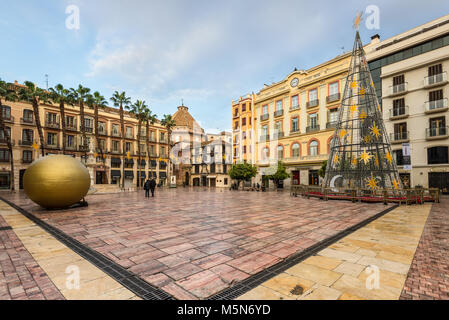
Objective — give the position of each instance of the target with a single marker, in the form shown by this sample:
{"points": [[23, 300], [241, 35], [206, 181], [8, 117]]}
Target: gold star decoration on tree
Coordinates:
{"points": [[389, 157], [396, 184], [35, 145], [375, 130], [357, 20], [353, 108], [371, 182], [335, 160], [362, 91], [363, 115], [354, 85], [367, 139], [376, 161], [343, 133], [354, 161], [365, 156]]}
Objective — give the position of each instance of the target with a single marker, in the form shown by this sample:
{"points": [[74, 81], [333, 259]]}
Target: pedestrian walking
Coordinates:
{"points": [[152, 187], [146, 187]]}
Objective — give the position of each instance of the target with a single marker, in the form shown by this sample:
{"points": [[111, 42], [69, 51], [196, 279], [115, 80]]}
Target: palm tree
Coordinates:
{"points": [[150, 119], [61, 95], [80, 96], [169, 124], [7, 94], [97, 101], [121, 100], [139, 110], [34, 95]]}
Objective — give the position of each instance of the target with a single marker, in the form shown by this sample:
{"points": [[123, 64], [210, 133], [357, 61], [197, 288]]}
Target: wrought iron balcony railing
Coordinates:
{"points": [[436, 106]]}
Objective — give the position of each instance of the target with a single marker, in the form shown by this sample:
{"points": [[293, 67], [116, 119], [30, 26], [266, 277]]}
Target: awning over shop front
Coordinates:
{"points": [[116, 173]]}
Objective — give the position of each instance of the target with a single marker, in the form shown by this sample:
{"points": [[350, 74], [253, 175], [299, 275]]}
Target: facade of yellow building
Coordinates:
{"points": [[20, 123], [293, 121], [242, 127]]}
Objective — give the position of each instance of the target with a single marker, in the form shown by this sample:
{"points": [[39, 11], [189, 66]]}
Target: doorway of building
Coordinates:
{"points": [[265, 182], [4, 180], [187, 179], [100, 177], [313, 177], [405, 178], [21, 173], [204, 181], [212, 182], [196, 182], [439, 180], [295, 177]]}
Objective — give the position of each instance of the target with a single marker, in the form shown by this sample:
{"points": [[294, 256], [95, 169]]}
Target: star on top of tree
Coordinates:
{"points": [[357, 20]]}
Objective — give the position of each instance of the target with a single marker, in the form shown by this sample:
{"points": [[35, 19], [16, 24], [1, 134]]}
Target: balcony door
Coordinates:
{"points": [[437, 126], [435, 70], [400, 131], [398, 107]]}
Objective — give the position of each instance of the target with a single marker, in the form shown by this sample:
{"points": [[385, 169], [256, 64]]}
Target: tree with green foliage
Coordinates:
{"points": [[322, 171], [280, 174], [242, 172]]}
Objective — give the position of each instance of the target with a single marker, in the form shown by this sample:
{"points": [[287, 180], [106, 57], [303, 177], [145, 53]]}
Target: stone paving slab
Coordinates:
{"points": [[193, 243], [34, 265], [341, 270], [428, 277]]}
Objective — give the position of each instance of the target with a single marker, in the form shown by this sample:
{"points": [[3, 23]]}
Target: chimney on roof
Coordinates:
{"points": [[375, 39]]}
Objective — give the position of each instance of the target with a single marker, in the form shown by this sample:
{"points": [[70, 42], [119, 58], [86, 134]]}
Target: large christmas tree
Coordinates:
{"points": [[361, 155]]}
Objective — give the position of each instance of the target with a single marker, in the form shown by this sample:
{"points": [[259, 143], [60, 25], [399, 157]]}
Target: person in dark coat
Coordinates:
{"points": [[152, 186], [146, 187]]}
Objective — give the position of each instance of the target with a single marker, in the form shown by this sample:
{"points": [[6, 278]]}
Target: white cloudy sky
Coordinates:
{"points": [[205, 52]]}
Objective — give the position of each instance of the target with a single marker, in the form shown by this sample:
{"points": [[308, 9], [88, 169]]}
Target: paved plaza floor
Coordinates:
{"points": [[194, 243]]}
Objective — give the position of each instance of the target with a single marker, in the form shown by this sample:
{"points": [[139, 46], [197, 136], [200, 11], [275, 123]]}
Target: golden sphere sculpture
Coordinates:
{"points": [[56, 181]]}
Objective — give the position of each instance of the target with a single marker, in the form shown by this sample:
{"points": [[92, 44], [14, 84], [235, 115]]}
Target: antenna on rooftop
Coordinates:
{"points": [[46, 80]]}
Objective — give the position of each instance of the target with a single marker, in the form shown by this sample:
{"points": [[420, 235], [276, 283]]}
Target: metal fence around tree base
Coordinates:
{"points": [[399, 196]]}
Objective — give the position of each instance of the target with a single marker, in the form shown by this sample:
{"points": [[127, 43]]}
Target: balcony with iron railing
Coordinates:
{"points": [[116, 151], [331, 125], [278, 113], [71, 126], [27, 160], [313, 128], [398, 89], [294, 107], [129, 135], [70, 147], [4, 142], [52, 145], [26, 143], [27, 121], [435, 80], [294, 130], [102, 131], [278, 135], [436, 106], [52, 124], [236, 115], [9, 119], [264, 138], [116, 134], [312, 103], [399, 137], [264, 117], [437, 133], [89, 129], [333, 98], [399, 113], [163, 141]]}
